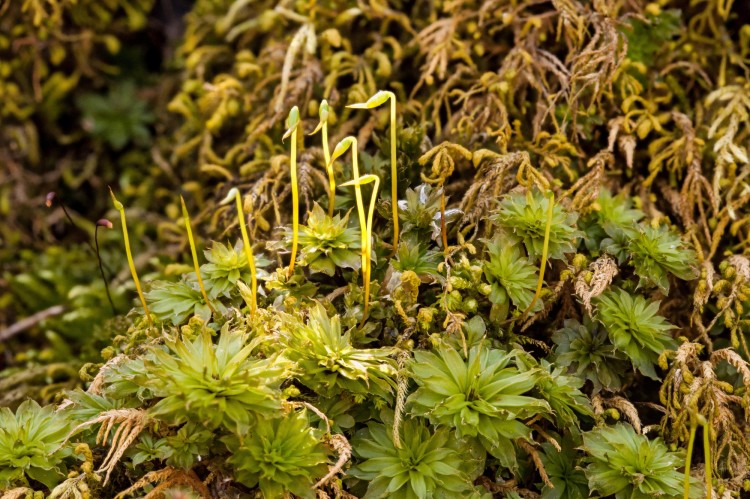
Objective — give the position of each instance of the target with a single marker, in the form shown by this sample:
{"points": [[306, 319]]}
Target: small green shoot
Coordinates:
{"points": [[32, 446], [189, 229], [235, 193], [430, 463], [119, 207], [323, 126], [367, 238], [292, 123], [280, 456], [376, 100]]}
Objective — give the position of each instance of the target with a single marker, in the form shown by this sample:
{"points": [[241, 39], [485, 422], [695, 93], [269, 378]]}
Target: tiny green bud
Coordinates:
{"points": [[292, 122]]}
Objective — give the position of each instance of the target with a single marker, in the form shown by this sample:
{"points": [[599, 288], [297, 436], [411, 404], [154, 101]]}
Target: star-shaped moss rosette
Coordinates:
{"points": [[635, 328], [31, 445], [280, 456], [525, 216], [327, 243], [329, 363], [622, 463], [483, 396]]}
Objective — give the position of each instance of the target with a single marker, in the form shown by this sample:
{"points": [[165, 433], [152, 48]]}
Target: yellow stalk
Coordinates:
{"points": [[443, 223], [248, 251], [119, 207], [370, 214], [323, 125], [376, 100], [234, 193], [193, 251], [292, 123], [367, 236], [707, 456], [295, 205], [329, 168], [394, 173], [688, 458], [545, 250], [339, 150]]}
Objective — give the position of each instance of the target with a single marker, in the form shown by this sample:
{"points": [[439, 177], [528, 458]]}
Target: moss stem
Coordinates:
{"points": [[295, 204], [292, 123], [194, 254], [368, 271], [545, 250], [248, 252], [394, 173], [119, 207], [688, 459], [707, 458]]}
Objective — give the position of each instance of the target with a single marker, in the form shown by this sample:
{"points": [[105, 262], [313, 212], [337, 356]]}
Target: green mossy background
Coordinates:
{"points": [[565, 315]]}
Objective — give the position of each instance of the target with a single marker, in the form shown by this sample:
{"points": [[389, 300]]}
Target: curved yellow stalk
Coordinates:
{"points": [[292, 123], [367, 238], [376, 100], [234, 193], [194, 253], [339, 150], [323, 125], [119, 207]]}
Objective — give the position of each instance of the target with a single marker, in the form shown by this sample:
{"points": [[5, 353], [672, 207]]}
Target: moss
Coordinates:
{"points": [[565, 181]]}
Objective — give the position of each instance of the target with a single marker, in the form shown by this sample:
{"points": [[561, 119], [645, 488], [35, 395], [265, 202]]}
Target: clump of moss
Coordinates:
{"points": [[563, 196]]}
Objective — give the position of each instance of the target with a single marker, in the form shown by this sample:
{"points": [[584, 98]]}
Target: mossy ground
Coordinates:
{"points": [[557, 310]]}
